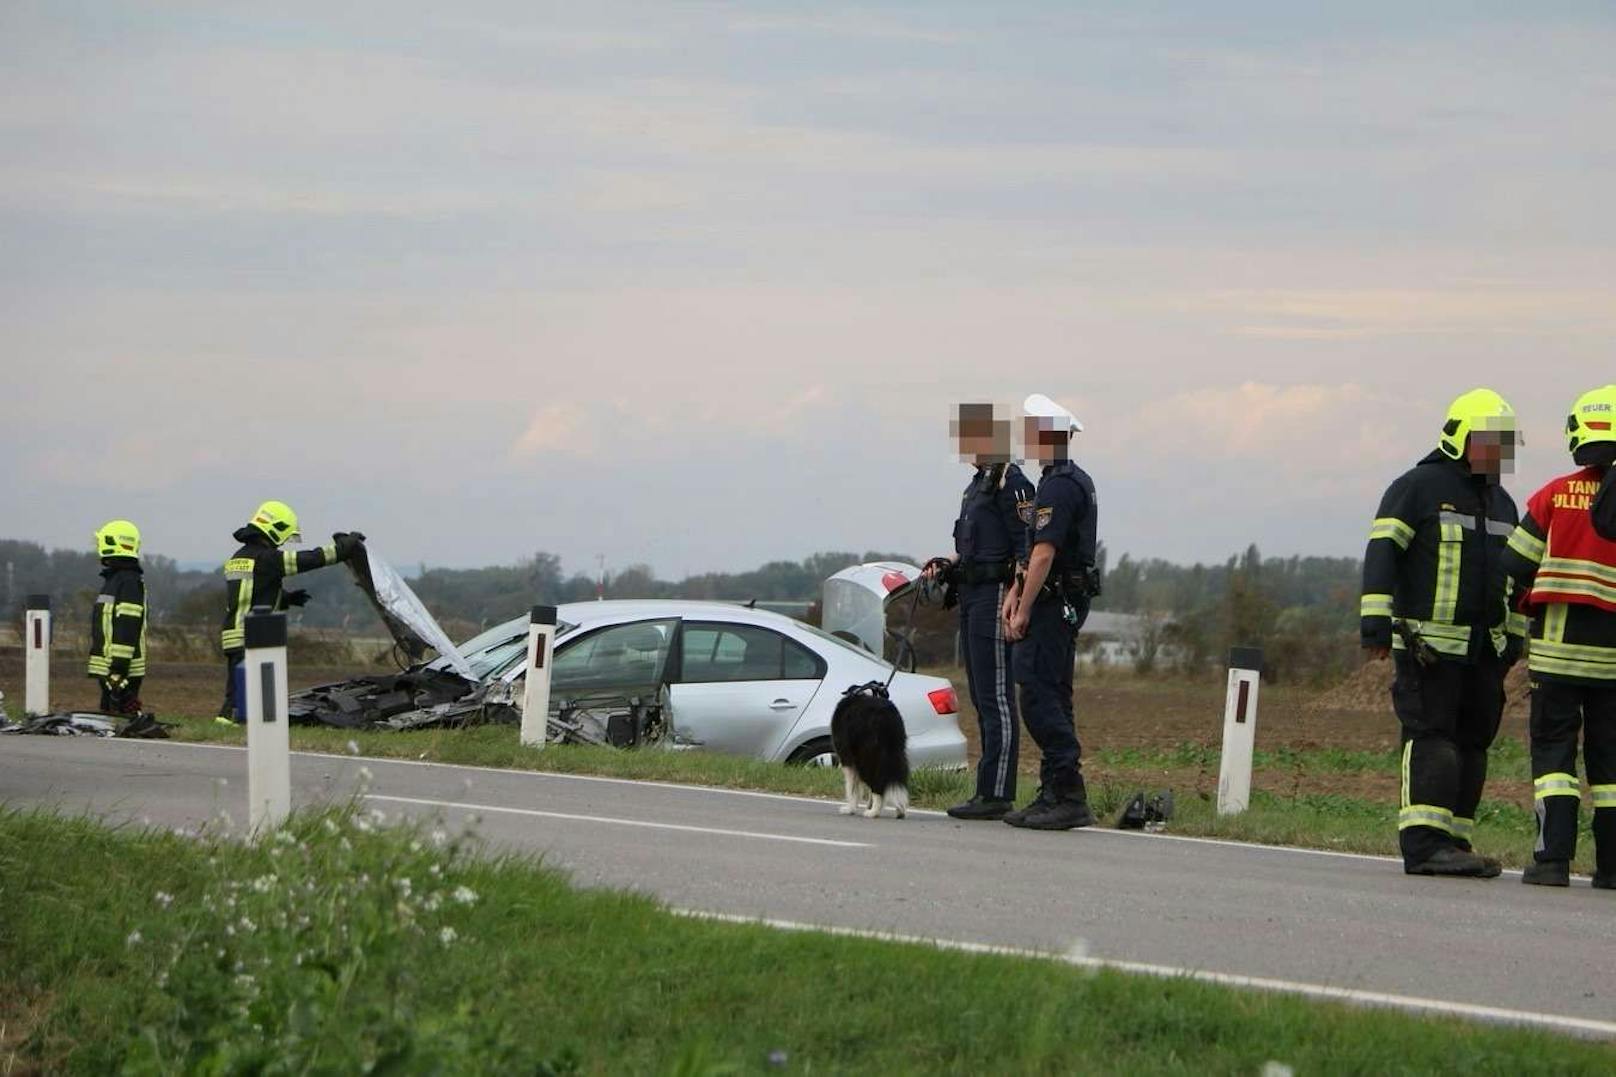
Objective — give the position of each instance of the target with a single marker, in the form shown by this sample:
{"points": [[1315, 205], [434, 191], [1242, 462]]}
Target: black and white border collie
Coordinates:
{"points": [[867, 732]]}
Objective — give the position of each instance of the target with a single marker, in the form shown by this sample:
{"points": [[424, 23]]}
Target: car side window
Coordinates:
{"points": [[732, 652], [626, 658]]}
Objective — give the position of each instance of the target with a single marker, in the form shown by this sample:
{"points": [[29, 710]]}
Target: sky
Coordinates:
{"points": [[696, 285]]}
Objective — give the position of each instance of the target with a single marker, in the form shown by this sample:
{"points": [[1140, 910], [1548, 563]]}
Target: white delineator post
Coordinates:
{"points": [[1239, 730], [541, 629], [269, 757], [36, 646]]}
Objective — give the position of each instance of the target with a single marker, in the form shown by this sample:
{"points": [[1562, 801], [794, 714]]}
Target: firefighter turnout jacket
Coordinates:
{"points": [[118, 620], [1435, 563], [1567, 571], [252, 578]]}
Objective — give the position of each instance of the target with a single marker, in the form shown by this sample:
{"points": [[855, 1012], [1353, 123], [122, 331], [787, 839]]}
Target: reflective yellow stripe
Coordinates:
{"points": [[1556, 785], [1425, 815], [1517, 624], [1408, 751], [1574, 567], [1375, 606], [289, 562], [99, 666], [1443, 639], [1463, 828], [120, 650], [1445, 597], [1569, 667], [1554, 583], [1390, 527], [129, 609], [1604, 796], [1528, 546]]}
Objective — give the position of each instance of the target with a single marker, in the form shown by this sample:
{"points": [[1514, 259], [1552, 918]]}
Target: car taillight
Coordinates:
{"points": [[943, 700]]}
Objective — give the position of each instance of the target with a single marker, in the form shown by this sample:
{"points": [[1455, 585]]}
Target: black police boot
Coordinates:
{"points": [[980, 807], [1451, 861], [1605, 880], [1547, 873], [1019, 817], [1066, 813]]}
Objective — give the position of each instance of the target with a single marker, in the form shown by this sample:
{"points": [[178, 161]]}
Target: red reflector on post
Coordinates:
{"points": [[943, 700]]}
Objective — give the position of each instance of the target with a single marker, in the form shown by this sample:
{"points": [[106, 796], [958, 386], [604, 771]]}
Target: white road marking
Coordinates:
{"points": [[790, 798], [568, 816], [1493, 1014]]}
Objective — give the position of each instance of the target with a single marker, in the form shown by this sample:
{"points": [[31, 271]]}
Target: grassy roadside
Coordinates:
{"points": [[1286, 812], [346, 947]]}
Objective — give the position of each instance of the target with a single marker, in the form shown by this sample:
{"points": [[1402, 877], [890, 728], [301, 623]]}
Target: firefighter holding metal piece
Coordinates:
{"points": [[1436, 599], [253, 579], [1044, 613], [1563, 558], [990, 539]]}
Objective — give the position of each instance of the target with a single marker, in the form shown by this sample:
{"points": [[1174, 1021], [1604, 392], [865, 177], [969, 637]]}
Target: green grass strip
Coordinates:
{"points": [[346, 947]]}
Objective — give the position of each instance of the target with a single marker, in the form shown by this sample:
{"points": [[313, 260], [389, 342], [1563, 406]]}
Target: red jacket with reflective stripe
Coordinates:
{"points": [[1578, 566]]}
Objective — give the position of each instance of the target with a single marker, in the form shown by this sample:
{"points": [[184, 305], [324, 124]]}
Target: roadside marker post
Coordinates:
{"points": [[1239, 730], [541, 629], [36, 647], [269, 757]]}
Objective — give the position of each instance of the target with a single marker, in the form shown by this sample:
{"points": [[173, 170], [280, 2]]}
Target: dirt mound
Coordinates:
{"points": [[1369, 689]]}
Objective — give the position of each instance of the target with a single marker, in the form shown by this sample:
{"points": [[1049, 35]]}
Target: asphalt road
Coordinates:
{"points": [[1316, 923]]}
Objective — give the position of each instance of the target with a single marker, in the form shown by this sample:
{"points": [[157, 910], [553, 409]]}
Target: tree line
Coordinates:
{"points": [[1301, 610]]}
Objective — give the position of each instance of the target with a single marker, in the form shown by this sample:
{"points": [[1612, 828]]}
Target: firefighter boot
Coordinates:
{"points": [[1451, 861]]}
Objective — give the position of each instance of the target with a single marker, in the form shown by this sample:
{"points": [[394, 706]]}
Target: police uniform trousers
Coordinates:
{"points": [[1449, 712], [1559, 710], [991, 683], [1042, 663]]}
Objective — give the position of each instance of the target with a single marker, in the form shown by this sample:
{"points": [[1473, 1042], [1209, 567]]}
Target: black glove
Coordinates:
{"points": [[297, 598], [348, 543], [1513, 646]]}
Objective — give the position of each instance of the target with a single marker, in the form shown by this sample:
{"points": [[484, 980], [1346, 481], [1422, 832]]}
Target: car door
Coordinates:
{"points": [[618, 661], [740, 688]]}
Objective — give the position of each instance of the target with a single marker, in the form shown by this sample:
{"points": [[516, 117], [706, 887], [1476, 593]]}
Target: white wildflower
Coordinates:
{"points": [[283, 837], [465, 895], [330, 827], [247, 925], [439, 836], [353, 747], [434, 871], [446, 935], [263, 883], [163, 899], [415, 846], [133, 939], [431, 902], [365, 775]]}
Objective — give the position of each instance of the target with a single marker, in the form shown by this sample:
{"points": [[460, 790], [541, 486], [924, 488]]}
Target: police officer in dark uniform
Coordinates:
{"points": [[1048, 609], [990, 539]]}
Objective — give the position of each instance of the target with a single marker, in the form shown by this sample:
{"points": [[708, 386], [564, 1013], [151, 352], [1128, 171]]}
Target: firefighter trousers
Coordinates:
{"points": [[1560, 710], [1449, 712]]}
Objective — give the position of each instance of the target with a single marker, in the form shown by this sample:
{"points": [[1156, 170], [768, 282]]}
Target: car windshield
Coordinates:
{"points": [[839, 641], [495, 649]]}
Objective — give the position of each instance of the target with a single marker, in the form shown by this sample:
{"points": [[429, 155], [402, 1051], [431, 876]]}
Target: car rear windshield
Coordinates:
{"points": [[839, 641]]}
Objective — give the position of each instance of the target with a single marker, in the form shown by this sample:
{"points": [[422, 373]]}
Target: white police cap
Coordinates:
{"points": [[1039, 406]]}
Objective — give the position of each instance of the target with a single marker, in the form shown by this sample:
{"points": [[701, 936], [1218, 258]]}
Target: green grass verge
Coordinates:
{"points": [[1341, 823], [343, 947]]}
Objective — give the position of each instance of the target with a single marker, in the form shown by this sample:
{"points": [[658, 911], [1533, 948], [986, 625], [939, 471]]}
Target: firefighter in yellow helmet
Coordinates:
{"points": [[1563, 558], [118, 624], [1436, 599], [253, 579]]}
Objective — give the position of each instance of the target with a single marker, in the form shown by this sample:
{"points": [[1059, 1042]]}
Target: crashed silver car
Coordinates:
{"points": [[712, 675]]}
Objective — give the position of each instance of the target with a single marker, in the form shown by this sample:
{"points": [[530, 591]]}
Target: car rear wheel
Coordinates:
{"points": [[816, 753]]}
